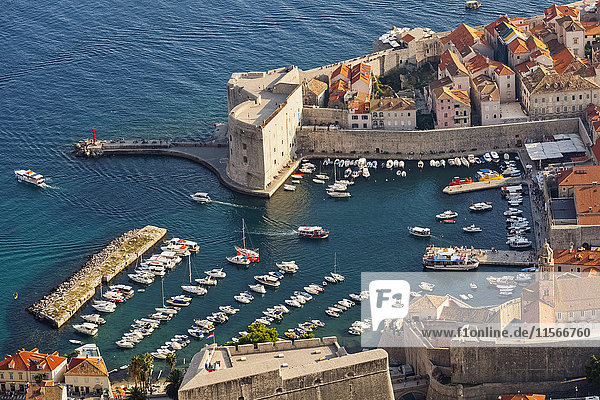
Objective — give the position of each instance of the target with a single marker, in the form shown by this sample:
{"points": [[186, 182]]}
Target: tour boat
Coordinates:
{"points": [[29, 176], [252, 254], [339, 195], [481, 206], [216, 273], [486, 175], [267, 280], [459, 181], [449, 214], [289, 188], [86, 328], [448, 259], [471, 228], [258, 288], [313, 232], [202, 198], [418, 231], [472, 4], [239, 260], [426, 286]]}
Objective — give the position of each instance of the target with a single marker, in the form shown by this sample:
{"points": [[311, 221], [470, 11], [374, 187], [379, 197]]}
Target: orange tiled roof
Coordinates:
{"points": [[533, 43], [492, 26], [555, 11], [408, 38], [596, 147], [587, 204], [518, 46], [580, 175], [87, 366], [445, 92], [523, 397], [591, 28], [32, 360], [525, 66], [342, 70], [449, 60], [339, 86], [536, 29], [464, 35]]}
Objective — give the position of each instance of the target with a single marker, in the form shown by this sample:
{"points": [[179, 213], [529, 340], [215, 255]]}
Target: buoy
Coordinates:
{"points": [[16, 296]]}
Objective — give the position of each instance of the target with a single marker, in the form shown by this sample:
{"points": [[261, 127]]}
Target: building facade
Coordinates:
{"points": [[25, 367], [394, 113]]}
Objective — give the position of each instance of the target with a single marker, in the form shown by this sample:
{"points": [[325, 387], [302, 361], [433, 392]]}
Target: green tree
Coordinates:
{"points": [[259, 333], [592, 370], [173, 383], [146, 369], [135, 367], [136, 394], [39, 378], [171, 360]]}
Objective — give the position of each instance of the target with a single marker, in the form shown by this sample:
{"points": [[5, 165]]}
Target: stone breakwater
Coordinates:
{"points": [[67, 298]]}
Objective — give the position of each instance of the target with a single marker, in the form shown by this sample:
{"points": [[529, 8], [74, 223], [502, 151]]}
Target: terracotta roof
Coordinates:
{"points": [[427, 302], [545, 80], [339, 86], [488, 90], [32, 360], [445, 92], [525, 67], [577, 294], [580, 175], [536, 29], [570, 24], [586, 258], [86, 366], [587, 204], [393, 104], [558, 11], [591, 28], [492, 26], [445, 81], [464, 35], [342, 70], [480, 63], [523, 397], [316, 86], [518, 46], [408, 38], [44, 392], [449, 61], [534, 43]]}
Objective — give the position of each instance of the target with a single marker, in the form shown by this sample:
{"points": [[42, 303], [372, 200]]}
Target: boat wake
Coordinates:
{"points": [[224, 203]]}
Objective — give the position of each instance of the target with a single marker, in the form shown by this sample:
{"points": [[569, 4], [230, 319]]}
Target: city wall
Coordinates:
{"points": [[561, 236], [384, 144], [324, 116]]}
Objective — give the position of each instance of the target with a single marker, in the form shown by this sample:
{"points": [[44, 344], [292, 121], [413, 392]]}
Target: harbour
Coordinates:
{"points": [[67, 298], [494, 257]]}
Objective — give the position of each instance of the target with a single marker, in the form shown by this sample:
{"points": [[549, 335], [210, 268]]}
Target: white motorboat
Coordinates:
{"points": [[313, 232], [419, 231], [473, 286], [143, 279], [365, 173], [420, 164], [86, 328], [519, 242], [289, 188], [471, 228], [75, 341], [192, 246], [464, 162], [125, 344], [94, 318], [267, 280], [28, 176], [463, 296], [197, 290], [242, 299], [339, 195], [295, 182], [332, 313], [513, 212], [471, 158], [495, 157], [443, 163], [449, 214], [415, 294], [258, 288], [239, 260], [297, 176], [330, 279], [487, 157], [483, 206], [229, 310], [322, 176], [319, 181], [289, 267], [207, 280], [216, 273], [310, 290], [202, 198], [426, 286], [105, 306], [293, 303]]}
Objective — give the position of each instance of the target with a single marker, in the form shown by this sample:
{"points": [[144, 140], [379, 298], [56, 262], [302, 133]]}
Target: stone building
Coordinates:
{"points": [[46, 390], [315, 93], [546, 94], [265, 108], [452, 107], [21, 369], [308, 369], [394, 113], [486, 100], [87, 376]]}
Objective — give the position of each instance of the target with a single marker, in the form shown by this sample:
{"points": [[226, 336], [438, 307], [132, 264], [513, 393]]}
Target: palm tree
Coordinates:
{"points": [[135, 368], [173, 383], [171, 360], [136, 394], [147, 365]]}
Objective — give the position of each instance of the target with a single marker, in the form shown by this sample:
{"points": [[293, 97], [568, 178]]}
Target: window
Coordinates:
{"points": [[543, 99], [389, 114], [245, 160], [275, 162], [395, 115], [535, 101], [365, 117], [593, 313], [445, 115], [244, 146], [565, 98], [557, 99], [583, 313], [570, 314], [487, 116], [409, 113], [355, 117], [572, 108], [365, 126], [573, 97], [465, 113], [355, 125], [445, 123], [20, 376], [381, 114], [565, 109], [557, 109], [580, 107], [374, 115], [580, 97], [396, 123], [495, 116], [575, 41], [409, 122], [508, 85]]}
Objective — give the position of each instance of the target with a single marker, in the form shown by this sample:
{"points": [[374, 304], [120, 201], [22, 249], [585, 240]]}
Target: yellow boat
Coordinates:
{"points": [[488, 175]]}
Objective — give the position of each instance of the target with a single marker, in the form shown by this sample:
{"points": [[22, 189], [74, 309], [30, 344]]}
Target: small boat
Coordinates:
{"points": [[330, 279], [464, 162], [519, 242], [449, 221], [415, 294], [332, 313], [267, 280], [276, 274], [75, 341], [197, 290], [463, 296], [418, 231], [483, 206], [207, 280], [202, 198], [334, 274], [319, 181], [295, 182], [321, 176], [239, 260], [471, 228], [94, 318], [339, 195], [289, 188], [137, 278], [473, 286], [125, 344], [487, 157], [313, 232], [216, 273], [472, 4], [29, 176], [513, 212], [87, 328], [449, 214], [420, 164], [258, 288], [293, 303], [426, 286], [495, 157], [297, 176]]}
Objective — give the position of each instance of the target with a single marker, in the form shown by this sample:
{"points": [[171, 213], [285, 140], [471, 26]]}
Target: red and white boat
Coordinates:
{"points": [[459, 181], [313, 232], [250, 254]]}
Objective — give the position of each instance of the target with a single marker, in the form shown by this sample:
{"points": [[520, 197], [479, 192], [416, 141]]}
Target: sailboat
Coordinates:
{"points": [[251, 254], [191, 288], [334, 274], [321, 176]]}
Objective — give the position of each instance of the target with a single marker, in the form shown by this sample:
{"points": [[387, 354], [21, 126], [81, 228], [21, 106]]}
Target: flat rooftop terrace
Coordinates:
{"points": [[294, 358], [563, 208]]}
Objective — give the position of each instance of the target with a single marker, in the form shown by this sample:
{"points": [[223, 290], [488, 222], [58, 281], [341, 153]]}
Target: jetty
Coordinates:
{"points": [[471, 187], [490, 257], [67, 298]]}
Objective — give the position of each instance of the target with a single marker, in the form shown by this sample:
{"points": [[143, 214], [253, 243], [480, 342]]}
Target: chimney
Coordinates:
{"points": [[571, 247]]}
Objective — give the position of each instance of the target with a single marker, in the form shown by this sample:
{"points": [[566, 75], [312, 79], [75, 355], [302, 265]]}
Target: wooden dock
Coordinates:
{"points": [[505, 258], [68, 297], [471, 187]]}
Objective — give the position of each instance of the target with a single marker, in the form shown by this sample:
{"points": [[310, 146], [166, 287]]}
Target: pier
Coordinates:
{"points": [[506, 258], [211, 155], [471, 187], [67, 298]]}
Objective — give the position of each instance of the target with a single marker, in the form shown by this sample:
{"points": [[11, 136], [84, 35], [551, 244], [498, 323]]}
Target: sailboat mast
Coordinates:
{"points": [[334, 263], [190, 265], [243, 234], [162, 288]]}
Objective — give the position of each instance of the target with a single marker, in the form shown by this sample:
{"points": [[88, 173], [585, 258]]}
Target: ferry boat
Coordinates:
{"points": [[28, 176], [448, 259], [472, 4], [202, 198], [459, 181], [418, 231], [488, 175], [313, 232]]}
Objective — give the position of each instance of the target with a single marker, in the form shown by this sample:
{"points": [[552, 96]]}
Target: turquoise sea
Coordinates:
{"points": [[158, 70]]}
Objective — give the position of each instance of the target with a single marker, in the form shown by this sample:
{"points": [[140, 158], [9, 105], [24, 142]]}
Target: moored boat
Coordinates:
{"points": [[419, 231], [448, 259]]}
